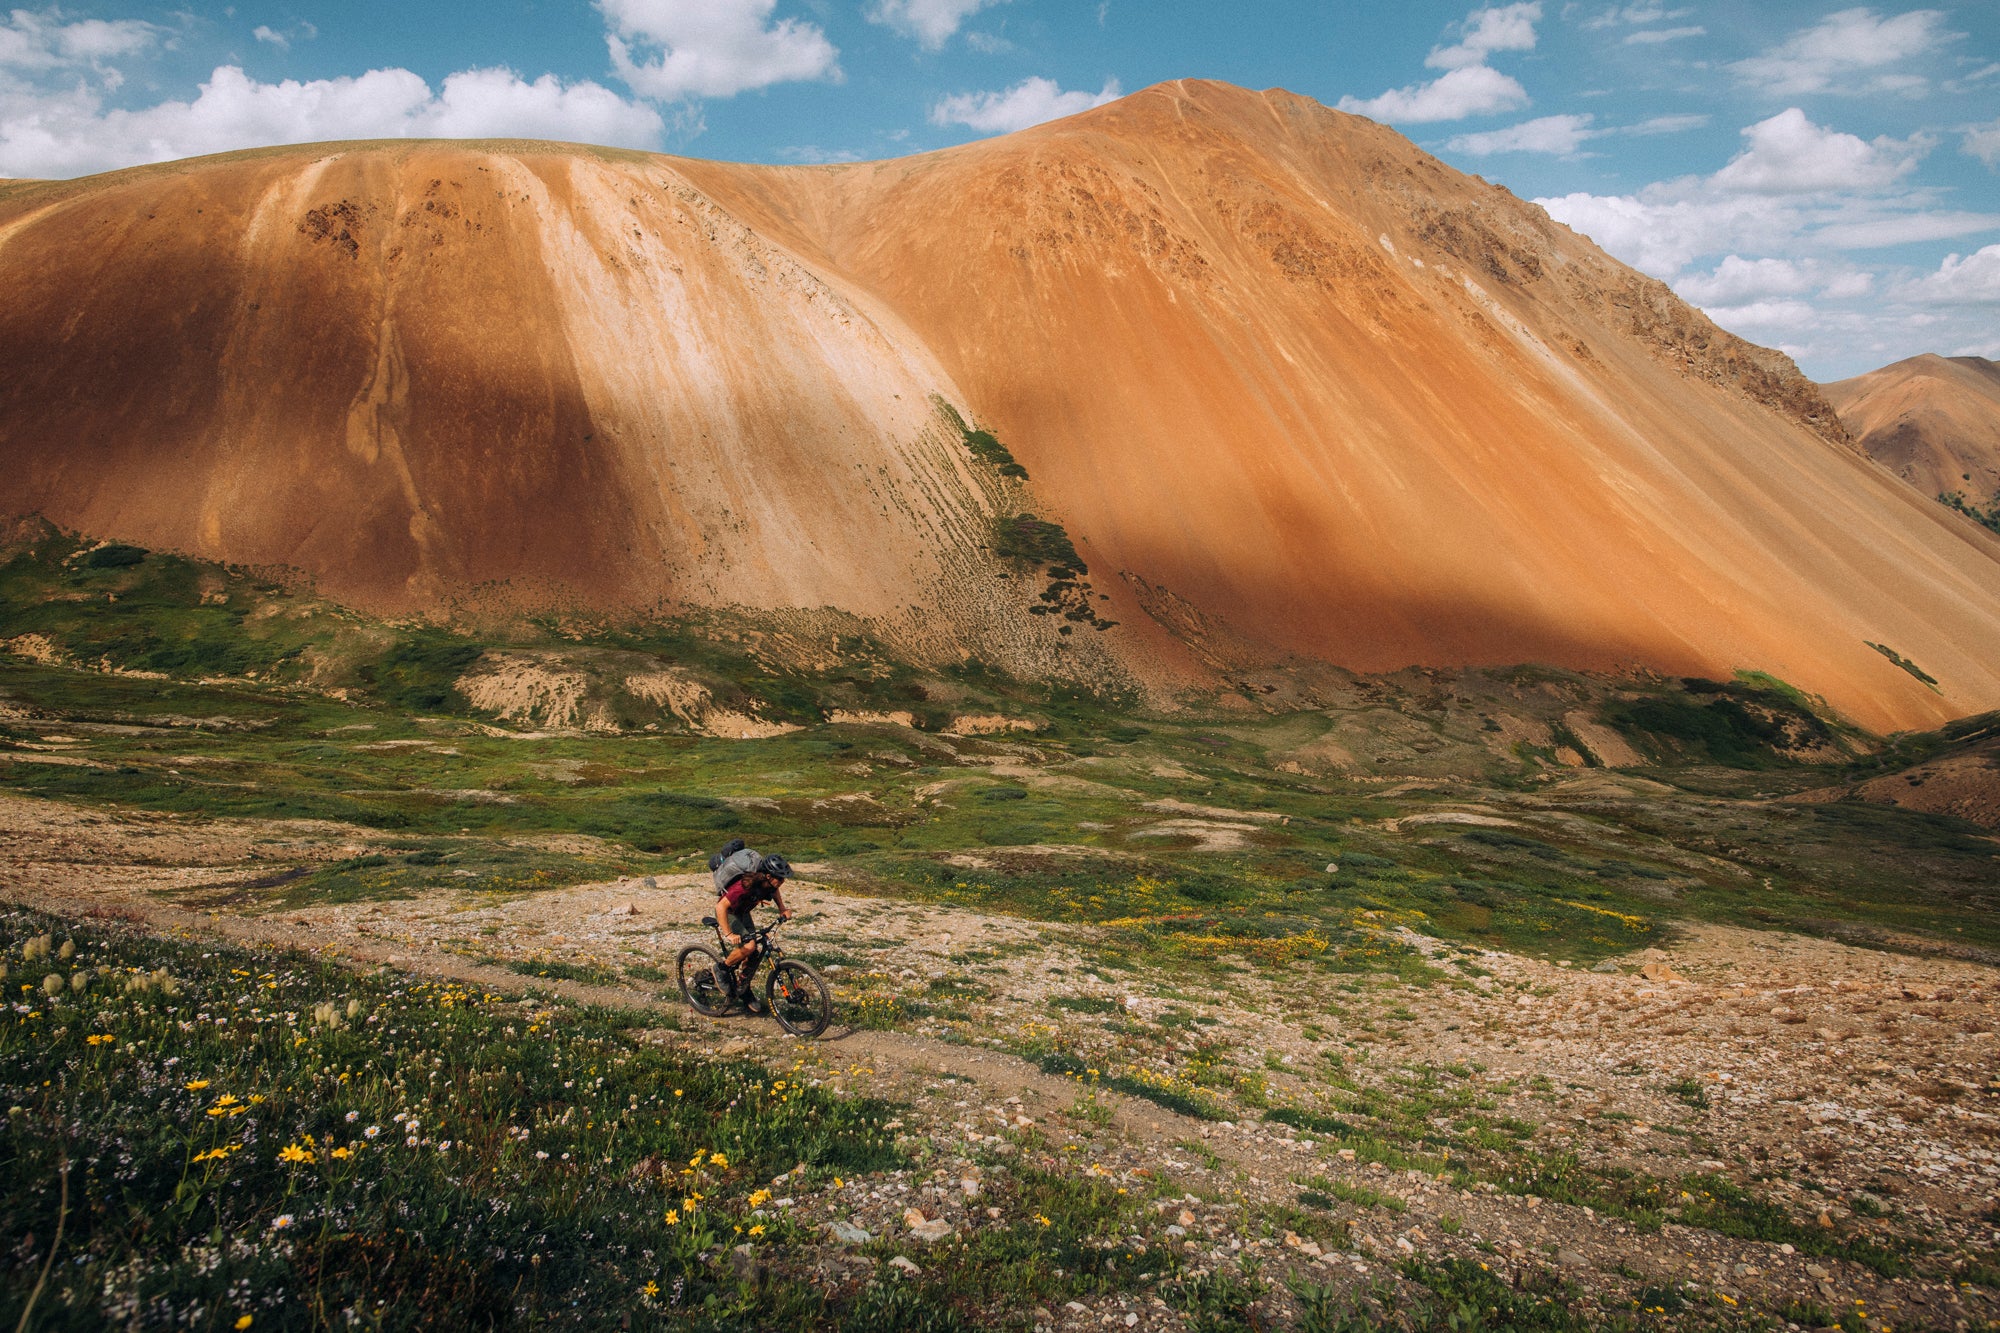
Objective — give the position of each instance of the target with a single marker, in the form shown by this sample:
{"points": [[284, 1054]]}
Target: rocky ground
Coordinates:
{"points": [[1818, 1124]]}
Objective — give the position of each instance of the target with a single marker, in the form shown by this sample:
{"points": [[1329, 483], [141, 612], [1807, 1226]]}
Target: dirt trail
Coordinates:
{"points": [[1841, 1083]]}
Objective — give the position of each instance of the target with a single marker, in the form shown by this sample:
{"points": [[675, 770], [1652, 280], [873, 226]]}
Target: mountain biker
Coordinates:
{"points": [[740, 895]]}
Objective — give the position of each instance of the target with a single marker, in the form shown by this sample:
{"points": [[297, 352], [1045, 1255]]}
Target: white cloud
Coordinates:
{"points": [[1764, 315], [1668, 124], [1972, 279], [1850, 52], [930, 22], [1737, 280], [1502, 28], [1785, 215], [1469, 86], [1655, 36], [1660, 233], [1788, 154], [1029, 102], [1858, 229], [37, 43], [1640, 13], [712, 48], [817, 156], [1561, 135], [1476, 90], [69, 133], [265, 33], [1983, 142]]}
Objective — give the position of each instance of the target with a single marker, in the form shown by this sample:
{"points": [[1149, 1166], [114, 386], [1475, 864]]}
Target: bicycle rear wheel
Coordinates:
{"points": [[698, 968], [799, 998]]}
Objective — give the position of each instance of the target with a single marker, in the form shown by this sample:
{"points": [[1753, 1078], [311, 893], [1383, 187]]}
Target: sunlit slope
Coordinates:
{"points": [[1932, 420], [1341, 399], [519, 376], [1293, 387]]}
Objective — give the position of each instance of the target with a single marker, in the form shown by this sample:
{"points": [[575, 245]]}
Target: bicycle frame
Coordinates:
{"points": [[760, 938]]}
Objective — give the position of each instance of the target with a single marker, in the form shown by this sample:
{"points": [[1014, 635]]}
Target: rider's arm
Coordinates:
{"points": [[784, 912], [722, 919]]}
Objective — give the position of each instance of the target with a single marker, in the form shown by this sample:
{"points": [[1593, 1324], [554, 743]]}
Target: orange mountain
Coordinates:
{"points": [[1932, 420], [1295, 389]]}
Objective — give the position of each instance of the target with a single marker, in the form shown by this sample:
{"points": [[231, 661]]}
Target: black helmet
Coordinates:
{"points": [[777, 867]]}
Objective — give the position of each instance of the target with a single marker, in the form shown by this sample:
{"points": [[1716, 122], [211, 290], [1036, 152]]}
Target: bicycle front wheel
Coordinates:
{"points": [[701, 969], [799, 998]]}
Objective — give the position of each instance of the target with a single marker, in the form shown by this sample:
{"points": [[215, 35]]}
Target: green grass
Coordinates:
{"points": [[266, 1135], [403, 757]]}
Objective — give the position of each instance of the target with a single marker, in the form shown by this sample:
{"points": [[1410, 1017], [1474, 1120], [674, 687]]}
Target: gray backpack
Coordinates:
{"points": [[727, 870]]}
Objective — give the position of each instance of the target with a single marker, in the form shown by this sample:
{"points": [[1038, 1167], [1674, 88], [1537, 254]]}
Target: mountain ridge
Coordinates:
{"points": [[1295, 389], [1932, 420]]}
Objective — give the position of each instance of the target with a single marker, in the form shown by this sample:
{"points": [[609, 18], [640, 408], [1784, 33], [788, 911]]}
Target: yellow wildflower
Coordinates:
{"points": [[651, 1289], [343, 1153], [716, 1159], [292, 1152], [760, 1198], [195, 1085], [98, 1039], [757, 1230], [243, 1323], [1043, 1220], [673, 1218]]}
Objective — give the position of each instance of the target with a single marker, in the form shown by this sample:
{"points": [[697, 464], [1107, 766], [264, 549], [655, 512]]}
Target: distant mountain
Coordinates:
{"points": [[1933, 420], [1202, 382]]}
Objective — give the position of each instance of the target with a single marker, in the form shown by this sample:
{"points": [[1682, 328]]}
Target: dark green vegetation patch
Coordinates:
{"points": [[1988, 518]]}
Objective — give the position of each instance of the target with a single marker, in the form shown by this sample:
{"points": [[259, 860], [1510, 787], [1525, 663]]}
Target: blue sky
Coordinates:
{"points": [[1823, 178]]}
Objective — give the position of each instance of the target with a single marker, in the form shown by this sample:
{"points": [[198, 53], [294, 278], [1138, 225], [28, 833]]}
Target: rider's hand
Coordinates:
{"points": [[785, 915], [732, 940]]}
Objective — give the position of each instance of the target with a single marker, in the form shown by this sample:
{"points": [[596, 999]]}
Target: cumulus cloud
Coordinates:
{"points": [[70, 133], [1851, 51], [672, 50], [930, 22], [1029, 102], [40, 43], [1794, 183], [1972, 279], [1758, 315], [1476, 90], [1788, 154], [1560, 135], [1469, 86], [265, 33], [1737, 281], [1983, 142], [1503, 28]]}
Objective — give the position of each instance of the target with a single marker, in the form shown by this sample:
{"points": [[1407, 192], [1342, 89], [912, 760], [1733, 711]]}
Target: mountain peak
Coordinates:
{"points": [[1284, 388]]}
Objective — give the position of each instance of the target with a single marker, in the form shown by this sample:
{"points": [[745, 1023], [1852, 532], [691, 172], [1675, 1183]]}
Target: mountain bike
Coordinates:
{"points": [[794, 992]]}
